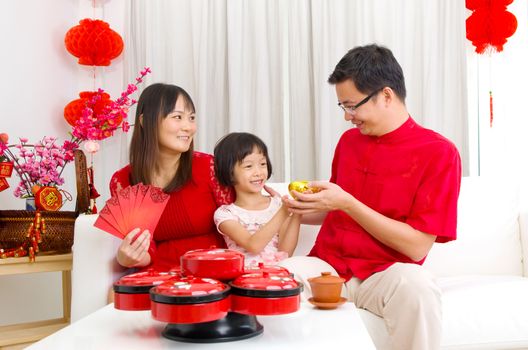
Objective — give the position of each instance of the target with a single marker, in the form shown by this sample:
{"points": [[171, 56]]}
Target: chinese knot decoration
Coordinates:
{"points": [[93, 42], [490, 25]]}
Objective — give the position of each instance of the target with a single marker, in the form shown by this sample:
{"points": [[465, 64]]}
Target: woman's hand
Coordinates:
{"points": [[133, 252], [330, 197]]}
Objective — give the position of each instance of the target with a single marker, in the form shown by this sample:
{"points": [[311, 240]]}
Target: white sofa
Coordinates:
{"points": [[482, 274]]}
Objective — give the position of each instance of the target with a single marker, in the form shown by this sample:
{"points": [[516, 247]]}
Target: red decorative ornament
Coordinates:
{"points": [[33, 237], [490, 24], [4, 185], [48, 198], [93, 42], [93, 192], [73, 110], [488, 29], [491, 108]]}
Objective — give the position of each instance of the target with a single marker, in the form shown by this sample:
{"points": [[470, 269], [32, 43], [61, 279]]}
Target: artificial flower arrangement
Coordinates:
{"points": [[40, 165]]}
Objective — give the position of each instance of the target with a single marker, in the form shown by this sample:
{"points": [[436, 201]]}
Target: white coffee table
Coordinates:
{"points": [[308, 328]]}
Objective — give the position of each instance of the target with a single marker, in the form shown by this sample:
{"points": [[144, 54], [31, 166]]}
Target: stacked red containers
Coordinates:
{"points": [[218, 263], [190, 300], [212, 283]]}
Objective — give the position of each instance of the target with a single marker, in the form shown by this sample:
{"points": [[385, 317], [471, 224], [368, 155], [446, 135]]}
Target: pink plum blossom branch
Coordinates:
{"points": [[42, 164]]}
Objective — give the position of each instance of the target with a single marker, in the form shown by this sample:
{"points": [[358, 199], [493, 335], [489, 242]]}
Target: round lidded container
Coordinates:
{"points": [[263, 293], [326, 288], [190, 300], [271, 269], [132, 291], [217, 263]]}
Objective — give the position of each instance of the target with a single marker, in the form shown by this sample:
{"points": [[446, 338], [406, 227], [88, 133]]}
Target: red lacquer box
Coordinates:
{"points": [[216, 263], [132, 291], [264, 293], [190, 300]]}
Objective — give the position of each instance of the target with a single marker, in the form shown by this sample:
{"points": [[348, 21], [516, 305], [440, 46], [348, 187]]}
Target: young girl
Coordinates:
{"points": [[255, 224]]}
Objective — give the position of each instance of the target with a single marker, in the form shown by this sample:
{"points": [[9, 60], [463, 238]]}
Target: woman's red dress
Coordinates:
{"points": [[187, 221]]}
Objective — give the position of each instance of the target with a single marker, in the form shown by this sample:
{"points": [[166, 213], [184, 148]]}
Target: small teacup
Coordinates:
{"points": [[326, 288]]}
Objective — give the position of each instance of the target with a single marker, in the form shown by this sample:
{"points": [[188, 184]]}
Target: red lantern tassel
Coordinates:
{"points": [[491, 108], [93, 192]]}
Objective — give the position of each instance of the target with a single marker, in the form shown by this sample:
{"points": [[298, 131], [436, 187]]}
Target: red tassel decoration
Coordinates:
{"points": [[488, 29], [93, 192], [491, 109]]}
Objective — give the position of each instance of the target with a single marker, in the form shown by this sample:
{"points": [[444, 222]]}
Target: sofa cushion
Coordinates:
{"points": [[94, 268], [307, 237], [485, 312], [479, 312], [488, 238]]}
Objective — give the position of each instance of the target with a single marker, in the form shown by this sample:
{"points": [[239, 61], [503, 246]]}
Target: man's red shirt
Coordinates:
{"points": [[411, 174]]}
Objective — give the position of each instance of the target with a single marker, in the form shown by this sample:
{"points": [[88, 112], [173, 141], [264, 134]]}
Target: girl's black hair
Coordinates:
{"points": [[233, 148]]}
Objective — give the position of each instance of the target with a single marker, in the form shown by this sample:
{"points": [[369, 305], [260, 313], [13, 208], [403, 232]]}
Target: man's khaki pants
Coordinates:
{"points": [[404, 295]]}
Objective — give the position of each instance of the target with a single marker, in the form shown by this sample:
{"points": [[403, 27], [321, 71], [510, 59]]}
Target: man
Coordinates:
{"points": [[393, 192]]}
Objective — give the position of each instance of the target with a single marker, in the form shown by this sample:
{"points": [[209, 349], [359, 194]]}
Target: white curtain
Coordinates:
{"points": [[261, 66]]}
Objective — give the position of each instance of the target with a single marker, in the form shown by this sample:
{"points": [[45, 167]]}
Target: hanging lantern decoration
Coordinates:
{"points": [[488, 29], [73, 110], [93, 42], [490, 25]]}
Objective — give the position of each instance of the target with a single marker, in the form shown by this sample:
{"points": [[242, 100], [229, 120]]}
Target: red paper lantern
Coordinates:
{"points": [[475, 4], [93, 42], [73, 110], [490, 24]]}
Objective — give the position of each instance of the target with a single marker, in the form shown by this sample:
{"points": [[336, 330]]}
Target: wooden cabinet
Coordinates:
{"points": [[20, 335]]}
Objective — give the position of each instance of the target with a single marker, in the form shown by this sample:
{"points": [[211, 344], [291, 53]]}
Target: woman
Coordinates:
{"points": [[161, 155]]}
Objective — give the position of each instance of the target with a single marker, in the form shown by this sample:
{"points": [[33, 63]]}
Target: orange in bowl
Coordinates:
{"points": [[301, 187]]}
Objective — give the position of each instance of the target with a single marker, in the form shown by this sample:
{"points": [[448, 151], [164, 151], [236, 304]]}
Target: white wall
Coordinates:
{"points": [[39, 77]]}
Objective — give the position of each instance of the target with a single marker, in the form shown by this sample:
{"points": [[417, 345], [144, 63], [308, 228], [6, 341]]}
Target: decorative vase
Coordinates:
{"points": [[30, 203]]}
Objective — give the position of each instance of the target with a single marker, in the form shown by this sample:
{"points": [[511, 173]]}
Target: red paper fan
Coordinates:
{"points": [[137, 206]]}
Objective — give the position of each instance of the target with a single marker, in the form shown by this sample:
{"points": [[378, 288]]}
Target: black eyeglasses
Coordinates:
{"points": [[352, 109]]}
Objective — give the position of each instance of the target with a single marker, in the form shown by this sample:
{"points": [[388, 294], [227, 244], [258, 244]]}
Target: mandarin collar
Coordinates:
{"points": [[397, 133]]}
